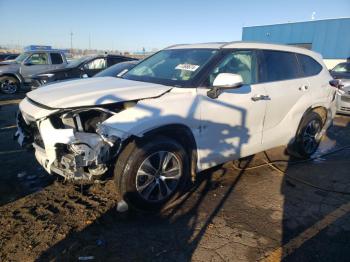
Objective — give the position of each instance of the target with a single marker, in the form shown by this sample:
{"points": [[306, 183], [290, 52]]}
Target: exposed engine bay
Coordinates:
{"points": [[72, 143]]}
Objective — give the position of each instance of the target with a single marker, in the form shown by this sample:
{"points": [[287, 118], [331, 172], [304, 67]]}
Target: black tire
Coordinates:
{"points": [[9, 85], [308, 136], [133, 157]]}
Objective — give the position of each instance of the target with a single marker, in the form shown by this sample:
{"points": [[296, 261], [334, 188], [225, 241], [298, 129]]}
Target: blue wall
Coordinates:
{"points": [[331, 37]]}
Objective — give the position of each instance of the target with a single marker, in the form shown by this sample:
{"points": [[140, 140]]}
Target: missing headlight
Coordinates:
{"points": [[82, 120]]}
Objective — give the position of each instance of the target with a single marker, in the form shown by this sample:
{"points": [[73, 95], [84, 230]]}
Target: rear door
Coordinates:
{"points": [[318, 82], [287, 91]]}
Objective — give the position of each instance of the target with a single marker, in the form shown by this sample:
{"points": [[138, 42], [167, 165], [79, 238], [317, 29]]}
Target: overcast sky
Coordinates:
{"points": [[131, 25]]}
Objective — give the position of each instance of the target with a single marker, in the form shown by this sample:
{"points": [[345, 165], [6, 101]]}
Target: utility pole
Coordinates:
{"points": [[71, 42], [89, 41]]}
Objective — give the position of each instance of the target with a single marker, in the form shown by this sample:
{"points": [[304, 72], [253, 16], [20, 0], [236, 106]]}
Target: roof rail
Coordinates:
{"points": [[174, 45]]}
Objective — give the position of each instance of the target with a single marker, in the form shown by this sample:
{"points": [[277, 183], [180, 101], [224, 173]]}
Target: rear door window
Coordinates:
{"points": [[309, 66], [278, 66], [56, 58]]}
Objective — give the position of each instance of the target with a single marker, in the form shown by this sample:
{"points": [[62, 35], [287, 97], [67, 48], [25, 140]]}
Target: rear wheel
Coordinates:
{"points": [[9, 84], [151, 174], [308, 136]]}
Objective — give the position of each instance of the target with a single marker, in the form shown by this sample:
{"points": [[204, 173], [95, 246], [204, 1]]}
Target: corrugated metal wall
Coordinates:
{"points": [[329, 37]]}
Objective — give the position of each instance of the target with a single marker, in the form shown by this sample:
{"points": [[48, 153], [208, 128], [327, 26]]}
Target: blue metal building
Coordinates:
{"points": [[330, 37]]}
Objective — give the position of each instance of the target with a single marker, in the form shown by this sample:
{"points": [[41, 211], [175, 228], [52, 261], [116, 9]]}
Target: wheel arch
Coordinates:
{"points": [[18, 77], [319, 109]]}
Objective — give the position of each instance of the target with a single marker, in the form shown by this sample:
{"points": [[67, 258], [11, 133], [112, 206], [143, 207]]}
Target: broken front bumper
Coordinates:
{"points": [[64, 151]]}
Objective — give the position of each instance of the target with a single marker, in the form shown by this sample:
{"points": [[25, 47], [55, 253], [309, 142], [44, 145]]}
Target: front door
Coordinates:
{"points": [[232, 124], [35, 64]]}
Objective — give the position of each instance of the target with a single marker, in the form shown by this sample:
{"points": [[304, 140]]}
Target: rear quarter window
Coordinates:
{"points": [[309, 66], [278, 66]]}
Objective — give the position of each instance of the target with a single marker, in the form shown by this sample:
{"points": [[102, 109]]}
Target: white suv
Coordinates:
{"points": [[182, 110]]}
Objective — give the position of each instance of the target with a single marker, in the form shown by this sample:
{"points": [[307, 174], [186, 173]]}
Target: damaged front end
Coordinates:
{"points": [[72, 143]]}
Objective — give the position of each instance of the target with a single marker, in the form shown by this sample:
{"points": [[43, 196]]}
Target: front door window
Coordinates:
{"points": [[242, 63], [38, 59]]}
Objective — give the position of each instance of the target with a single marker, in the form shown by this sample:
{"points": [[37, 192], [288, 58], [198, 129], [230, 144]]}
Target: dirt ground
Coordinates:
{"points": [[230, 214]]}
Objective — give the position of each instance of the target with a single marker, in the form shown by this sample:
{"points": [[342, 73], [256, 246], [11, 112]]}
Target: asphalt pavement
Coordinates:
{"points": [[287, 211]]}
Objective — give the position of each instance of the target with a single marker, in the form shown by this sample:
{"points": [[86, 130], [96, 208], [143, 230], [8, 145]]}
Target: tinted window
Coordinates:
{"points": [[242, 63], [308, 65], [278, 66], [56, 58], [115, 60], [11, 57]]}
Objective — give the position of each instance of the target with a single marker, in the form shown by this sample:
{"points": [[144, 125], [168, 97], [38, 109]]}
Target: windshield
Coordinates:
{"points": [[22, 57], [342, 68], [77, 62], [171, 67]]}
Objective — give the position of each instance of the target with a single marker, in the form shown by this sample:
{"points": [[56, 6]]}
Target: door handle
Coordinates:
{"points": [[303, 88], [260, 97]]}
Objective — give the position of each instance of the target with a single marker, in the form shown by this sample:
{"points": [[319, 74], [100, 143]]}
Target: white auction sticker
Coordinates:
{"points": [[187, 67]]}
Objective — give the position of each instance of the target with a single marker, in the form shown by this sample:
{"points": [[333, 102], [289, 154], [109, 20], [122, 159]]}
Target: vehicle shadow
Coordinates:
{"points": [[309, 232], [172, 235]]}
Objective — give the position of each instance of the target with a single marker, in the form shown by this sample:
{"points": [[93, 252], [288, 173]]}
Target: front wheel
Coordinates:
{"points": [[9, 85], [151, 174], [308, 135]]}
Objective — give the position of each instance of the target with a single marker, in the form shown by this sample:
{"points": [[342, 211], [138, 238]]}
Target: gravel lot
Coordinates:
{"points": [[230, 214]]}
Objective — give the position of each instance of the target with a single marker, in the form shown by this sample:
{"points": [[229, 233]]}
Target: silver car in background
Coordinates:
{"points": [[343, 98]]}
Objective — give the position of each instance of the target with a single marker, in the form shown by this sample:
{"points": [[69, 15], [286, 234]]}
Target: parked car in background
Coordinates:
{"points": [[17, 74], [117, 70], [8, 56], [342, 71], [84, 67], [180, 111]]}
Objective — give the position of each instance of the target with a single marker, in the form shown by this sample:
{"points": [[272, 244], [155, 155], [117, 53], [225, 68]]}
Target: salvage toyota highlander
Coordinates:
{"points": [[182, 110]]}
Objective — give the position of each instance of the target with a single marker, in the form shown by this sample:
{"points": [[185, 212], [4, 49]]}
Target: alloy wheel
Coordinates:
{"points": [[158, 176], [9, 86], [311, 136]]}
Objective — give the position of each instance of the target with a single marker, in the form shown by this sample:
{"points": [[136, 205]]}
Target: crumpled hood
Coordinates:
{"points": [[94, 91]]}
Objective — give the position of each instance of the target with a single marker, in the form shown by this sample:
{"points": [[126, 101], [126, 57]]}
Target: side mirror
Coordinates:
{"points": [[224, 81], [28, 63], [337, 83]]}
